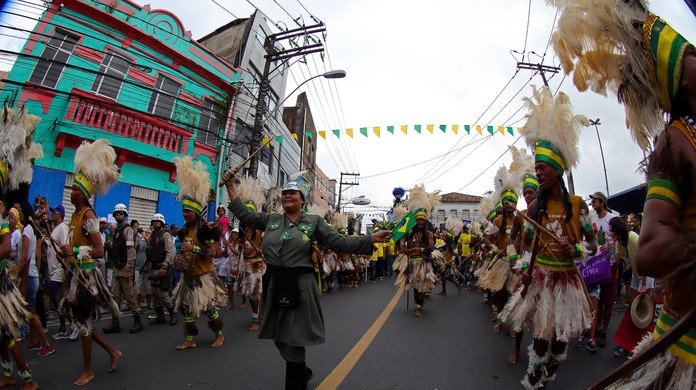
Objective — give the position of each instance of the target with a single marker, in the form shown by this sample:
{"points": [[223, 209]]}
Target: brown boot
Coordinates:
{"points": [[137, 325], [114, 327], [159, 311]]}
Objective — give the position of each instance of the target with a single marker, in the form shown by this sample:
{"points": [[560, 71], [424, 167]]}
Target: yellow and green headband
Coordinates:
{"points": [[84, 183], [499, 206], [250, 205], [547, 152], [421, 213], [4, 174], [509, 194], [491, 215], [665, 49], [530, 181], [188, 203]]}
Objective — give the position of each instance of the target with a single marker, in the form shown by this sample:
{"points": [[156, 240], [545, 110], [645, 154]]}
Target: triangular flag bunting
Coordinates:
{"points": [[376, 130], [430, 128], [509, 129], [501, 129], [349, 132], [390, 129], [478, 128], [417, 128], [279, 139], [519, 130], [308, 134], [363, 131], [467, 128], [293, 135], [264, 140], [455, 129], [443, 128], [321, 133], [490, 129], [337, 133], [404, 128]]}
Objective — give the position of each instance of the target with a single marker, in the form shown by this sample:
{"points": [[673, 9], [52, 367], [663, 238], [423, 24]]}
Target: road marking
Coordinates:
{"points": [[336, 377]]}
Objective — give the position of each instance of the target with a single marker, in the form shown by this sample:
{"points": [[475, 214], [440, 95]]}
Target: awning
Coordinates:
{"points": [[629, 200]]}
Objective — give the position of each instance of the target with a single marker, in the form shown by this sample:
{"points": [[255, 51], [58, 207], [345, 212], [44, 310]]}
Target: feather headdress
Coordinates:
{"points": [[507, 185], [319, 209], [194, 183], [454, 226], [487, 206], [95, 170], [421, 202], [552, 130], [252, 193], [273, 199], [340, 222], [522, 167], [17, 150], [612, 46]]}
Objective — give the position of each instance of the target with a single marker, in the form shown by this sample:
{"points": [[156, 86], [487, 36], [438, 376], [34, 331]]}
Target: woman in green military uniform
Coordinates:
{"points": [[290, 309]]}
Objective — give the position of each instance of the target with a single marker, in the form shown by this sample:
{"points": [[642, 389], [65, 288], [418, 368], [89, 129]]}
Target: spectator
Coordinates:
{"points": [[176, 273], [109, 263], [222, 218], [101, 262], [142, 269], [635, 222]]}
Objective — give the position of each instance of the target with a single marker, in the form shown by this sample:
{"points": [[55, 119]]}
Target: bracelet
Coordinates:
{"points": [[422, 250], [197, 249], [76, 250], [579, 249]]}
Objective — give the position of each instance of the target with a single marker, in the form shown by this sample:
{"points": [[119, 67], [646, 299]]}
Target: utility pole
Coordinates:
{"points": [[273, 55], [596, 123], [543, 69], [340, 188]]}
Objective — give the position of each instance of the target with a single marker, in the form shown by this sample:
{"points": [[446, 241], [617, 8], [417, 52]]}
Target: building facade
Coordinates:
{"points": [[131, 75], [458, 206]]}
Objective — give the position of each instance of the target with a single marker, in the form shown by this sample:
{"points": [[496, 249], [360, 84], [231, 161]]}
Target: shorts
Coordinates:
{"points": [[32, 288], [593, 291], [53, 293]]}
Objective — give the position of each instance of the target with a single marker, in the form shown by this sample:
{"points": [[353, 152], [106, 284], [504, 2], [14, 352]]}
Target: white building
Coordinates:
{"points": [[458, 206]]}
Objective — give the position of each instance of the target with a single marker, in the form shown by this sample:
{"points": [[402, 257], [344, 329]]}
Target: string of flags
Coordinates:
{"points": [[377, 131]]}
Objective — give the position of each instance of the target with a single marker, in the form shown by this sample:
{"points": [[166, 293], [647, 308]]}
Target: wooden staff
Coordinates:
{"points": [[247, 160], [559, 242], [668, 338]]}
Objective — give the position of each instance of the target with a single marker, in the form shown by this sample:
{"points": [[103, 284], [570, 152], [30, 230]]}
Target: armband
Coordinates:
{"points": [[76, 250], [197, 249], [528, 231], [580, 250], [585, 222], [664, 190]]}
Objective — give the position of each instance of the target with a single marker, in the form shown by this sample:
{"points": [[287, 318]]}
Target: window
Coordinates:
{"points": [[453, 214], [466, 214], [261, 35], [164, 97], [113, 71], [241, 144], [252, 80], [440, 215], [209, 125], [57, 52]]}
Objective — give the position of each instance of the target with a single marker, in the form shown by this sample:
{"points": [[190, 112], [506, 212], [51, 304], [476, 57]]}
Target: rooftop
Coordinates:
{"points": [[457, 197]]}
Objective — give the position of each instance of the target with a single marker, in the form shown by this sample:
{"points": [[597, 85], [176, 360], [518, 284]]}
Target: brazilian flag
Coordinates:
{"points": [[403, 226]]}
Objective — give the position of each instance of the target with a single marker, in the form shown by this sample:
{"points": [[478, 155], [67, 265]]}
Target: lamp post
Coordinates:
{"points": [[260, 121], [358, 201], [596, 123]]}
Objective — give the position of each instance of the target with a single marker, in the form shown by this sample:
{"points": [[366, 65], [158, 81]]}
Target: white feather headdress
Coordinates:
{"points": [[252, 193], [17, 149], [95, 170], [487, 206], [339, 221], [418, 198], [194, 183], [507, 185], [454, 226], [551, 119]]}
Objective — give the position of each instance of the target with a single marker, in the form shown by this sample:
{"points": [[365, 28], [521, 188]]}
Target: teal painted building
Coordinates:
{"points": [[133, 76]]}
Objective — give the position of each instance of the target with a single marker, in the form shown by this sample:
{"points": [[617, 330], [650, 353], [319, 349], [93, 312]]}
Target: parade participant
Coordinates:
{"points": [[95, 172], [420, 242], [449, 270], [142, 268], [57, 273], [198, 291], [123, 253], [294, 323], [235, 251], [661, 66], [254, 267], [554, 305], [16, 128], [221, 264], [505, 245], [160, 255], [377, 257]]}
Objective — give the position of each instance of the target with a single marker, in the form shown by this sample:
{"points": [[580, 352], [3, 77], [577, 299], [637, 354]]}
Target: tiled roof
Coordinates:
{"points": [[457, 197]]}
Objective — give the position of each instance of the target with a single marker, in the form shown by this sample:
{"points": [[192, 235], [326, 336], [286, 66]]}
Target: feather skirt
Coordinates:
{"points": [[478, 272], [664, 371], [87, 297], [197, 294], [496, 278], [330, 263], [13, 308], [249, 283], [418, 275], [555, 307]]}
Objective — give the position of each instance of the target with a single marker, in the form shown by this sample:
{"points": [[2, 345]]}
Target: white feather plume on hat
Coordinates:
{"points": [[522, 163], [454, 226], [17, 148], [96, 161], [487, 205], [193, 179], [250, 189], [552, 118], [419, 198]]}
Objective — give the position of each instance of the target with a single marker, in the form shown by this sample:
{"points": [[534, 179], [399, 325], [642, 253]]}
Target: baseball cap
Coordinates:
{"points": [[58, 209], [103, 219], [599, 195]]}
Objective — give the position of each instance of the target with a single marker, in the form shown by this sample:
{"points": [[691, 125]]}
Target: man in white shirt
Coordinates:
{"points": [[57, 273]]}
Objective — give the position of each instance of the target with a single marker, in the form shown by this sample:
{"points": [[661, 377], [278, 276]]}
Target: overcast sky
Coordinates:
{"points": [[439, 62]]}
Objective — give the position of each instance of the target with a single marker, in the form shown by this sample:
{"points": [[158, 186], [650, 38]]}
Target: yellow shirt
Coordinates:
{"points": [[464, 242]]}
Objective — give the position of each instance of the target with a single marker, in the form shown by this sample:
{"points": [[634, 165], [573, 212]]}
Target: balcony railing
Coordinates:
{"points": [[88, 110]]}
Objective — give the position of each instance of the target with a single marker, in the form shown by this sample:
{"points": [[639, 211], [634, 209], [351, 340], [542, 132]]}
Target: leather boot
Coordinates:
{"points": [[137, 325], [297, 375], [172, 314], [159, 311], [115, 327]]}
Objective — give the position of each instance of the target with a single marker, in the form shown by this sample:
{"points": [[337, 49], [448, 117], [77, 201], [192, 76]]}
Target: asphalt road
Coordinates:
{"points": [[450, 347]]}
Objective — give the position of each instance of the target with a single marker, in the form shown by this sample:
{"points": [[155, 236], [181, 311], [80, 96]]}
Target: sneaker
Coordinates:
{"points": [[46, 350], [34, 346], [579, 342], [61, 335], [74, 333], [621, 352], [592, 346]]}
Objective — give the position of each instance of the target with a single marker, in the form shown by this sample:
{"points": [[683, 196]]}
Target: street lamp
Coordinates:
{"points": [[597, 123], [358, 201], [332, 74]]}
